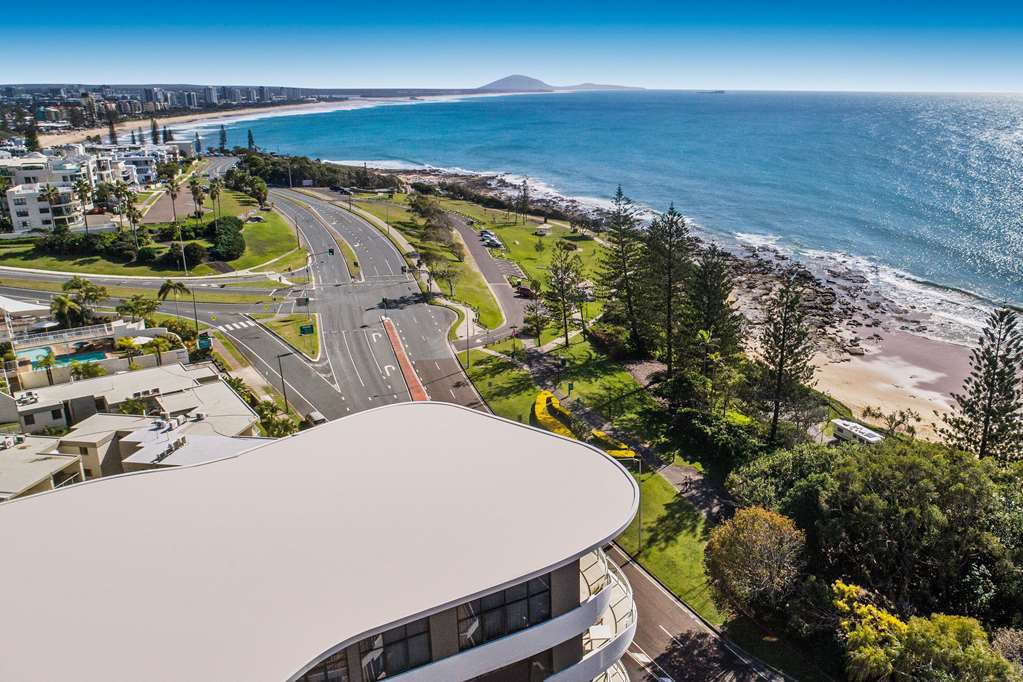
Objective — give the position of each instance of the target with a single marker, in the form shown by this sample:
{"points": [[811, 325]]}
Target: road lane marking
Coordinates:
{"points": [[667, 677], [344, 337], [365, 335]]}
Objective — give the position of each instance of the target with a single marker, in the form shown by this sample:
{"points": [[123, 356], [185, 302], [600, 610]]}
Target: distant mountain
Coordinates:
{"points": [[520, 83]]}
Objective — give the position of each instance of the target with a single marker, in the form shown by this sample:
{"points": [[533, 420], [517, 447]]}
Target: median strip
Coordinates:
{"points": [[412, 381]]}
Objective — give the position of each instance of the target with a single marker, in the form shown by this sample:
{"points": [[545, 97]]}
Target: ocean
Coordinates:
{"points": [[923, 194]]}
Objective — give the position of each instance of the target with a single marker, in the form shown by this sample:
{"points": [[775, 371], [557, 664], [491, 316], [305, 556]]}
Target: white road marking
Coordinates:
{"points": [[344, 337], [372, 354]]}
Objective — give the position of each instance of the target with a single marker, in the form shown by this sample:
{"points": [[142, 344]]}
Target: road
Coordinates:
{"points": [[163, 212], [357, 370]]}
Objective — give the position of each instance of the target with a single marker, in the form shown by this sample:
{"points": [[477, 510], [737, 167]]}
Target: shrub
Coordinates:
{"points": [[613, 339], [146, 254], [195, 253], [171, 258]]}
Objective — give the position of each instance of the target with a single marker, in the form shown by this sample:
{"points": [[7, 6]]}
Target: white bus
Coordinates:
{"points": [[855, 433]]}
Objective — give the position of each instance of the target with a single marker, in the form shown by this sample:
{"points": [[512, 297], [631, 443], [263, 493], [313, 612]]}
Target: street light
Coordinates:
{"points": [[195, 311], [284, 384]]}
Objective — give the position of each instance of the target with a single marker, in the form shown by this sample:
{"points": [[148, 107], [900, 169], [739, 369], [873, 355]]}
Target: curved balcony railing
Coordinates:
{"points": [[600, 588], [615, 673], [607, 641]]}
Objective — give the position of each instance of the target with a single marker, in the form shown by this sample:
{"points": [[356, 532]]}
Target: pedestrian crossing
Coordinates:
{"points": [[236, 325]]}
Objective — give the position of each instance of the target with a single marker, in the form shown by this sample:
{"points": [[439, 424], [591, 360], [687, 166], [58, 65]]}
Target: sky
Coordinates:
{"points": [[866, 45]]}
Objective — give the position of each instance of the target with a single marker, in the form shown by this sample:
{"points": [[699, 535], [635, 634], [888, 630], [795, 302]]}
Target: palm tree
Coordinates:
{"points": [[51, 195], [171, 287], [137, 307], [195, 187], [134, 218], [173, 188], [65, 309], [122, 193], [216, 188], [83, 190]]}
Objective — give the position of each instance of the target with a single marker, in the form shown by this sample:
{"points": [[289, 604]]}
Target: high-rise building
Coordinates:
{"points": [[192, 100], [210, 94], [264, 94], [252, 96], [363, 549], [90, 109]]}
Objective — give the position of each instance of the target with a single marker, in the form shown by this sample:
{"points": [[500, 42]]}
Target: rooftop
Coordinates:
{"points": [[253, 566], [23, 465], [117, 388]]}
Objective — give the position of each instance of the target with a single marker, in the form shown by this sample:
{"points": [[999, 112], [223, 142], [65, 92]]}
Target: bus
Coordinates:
{"points": [[855, 433]]}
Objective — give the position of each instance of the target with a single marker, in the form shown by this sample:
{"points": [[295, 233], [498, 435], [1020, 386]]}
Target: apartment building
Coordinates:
{"points": [[168, 391], [417, 541], [31, 210], [31, 464]]}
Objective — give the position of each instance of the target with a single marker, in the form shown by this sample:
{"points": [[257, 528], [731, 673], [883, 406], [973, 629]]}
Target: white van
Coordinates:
{"points": [[855, 433]]}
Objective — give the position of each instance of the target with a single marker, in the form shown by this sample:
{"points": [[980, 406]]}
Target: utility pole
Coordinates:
{"points": [[195, 312], [284, 384]]}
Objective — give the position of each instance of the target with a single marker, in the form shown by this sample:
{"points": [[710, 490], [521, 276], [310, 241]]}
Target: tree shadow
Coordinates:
{"points": [[680, 517], [699, 657]]}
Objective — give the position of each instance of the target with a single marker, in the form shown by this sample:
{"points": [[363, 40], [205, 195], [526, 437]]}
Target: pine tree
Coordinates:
{"points": [[523, 200], [134, 140], [564, 275], [112, 126], [252, 141], [168, 134], [163, 135], [620, 264], [711, 309], [154, 131], [786, 347], [667, 262], [32, 139], [223, 138], [987, 419]]}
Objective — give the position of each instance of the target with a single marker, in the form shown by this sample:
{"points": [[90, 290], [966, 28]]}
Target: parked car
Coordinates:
{"points": [[487, 233], [525, 292], [314, 418], [493, 243]]}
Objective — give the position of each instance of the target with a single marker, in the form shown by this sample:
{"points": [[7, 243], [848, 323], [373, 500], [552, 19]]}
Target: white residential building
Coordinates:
{"points": [[373, 547], [30, 210]]}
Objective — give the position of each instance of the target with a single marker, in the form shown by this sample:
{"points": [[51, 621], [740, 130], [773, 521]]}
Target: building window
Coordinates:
{"points": [[56, 413], [396, 650], [82, 450], [334, 669], [502, 613], [22, 214], [30, 419]]}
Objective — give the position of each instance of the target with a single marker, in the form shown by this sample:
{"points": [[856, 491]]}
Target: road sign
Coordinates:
{"points": [[306, 330], [205, 342], [571, 385], [330, 252], [303, 301]]}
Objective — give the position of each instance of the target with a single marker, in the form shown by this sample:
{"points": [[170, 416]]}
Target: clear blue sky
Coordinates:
{"points": [[868, 45]]}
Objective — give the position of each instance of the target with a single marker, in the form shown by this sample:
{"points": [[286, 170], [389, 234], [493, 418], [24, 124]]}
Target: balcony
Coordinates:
{"points": [[615, 673], [605, 642], [605, 618]]}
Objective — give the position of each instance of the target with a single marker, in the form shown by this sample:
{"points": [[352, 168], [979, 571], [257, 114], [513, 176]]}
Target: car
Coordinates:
{"points": [[314, 418], [525, 292], [493, 243], [487, 233]]}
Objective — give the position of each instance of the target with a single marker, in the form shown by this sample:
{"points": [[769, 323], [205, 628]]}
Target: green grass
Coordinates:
{"points": [[216, 296], [674, 537], [470, 287], [350, 260], [507, 389], [235, 354], [288, 328], [295, 259]]}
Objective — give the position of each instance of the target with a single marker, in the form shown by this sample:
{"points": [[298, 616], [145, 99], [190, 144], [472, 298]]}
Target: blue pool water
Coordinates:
{"points": [[921, 193], [36, 355]]}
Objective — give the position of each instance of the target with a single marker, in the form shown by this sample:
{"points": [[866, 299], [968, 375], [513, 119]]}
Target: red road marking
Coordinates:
{"points": [[415, 386]]}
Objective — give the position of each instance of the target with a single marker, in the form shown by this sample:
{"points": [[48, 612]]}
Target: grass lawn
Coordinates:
{"points": [[288, 328], [673, 540], [214, 296], [350, 260], [507, 389], [469, 287]]}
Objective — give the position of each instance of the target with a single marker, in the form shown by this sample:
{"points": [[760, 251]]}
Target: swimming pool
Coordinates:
{"points": [[36, 355]]}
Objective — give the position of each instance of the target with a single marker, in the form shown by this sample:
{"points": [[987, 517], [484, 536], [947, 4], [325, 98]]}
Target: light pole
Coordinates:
{"points": [[195, 311], [284, 384]]}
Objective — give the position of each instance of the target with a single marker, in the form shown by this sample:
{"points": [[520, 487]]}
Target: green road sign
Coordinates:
{"points": [[205, 343], [306, 330], [571, 385], [303, 301]]}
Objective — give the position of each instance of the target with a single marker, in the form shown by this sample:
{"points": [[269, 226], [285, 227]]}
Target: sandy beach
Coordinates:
{"points": [[126, 127]]}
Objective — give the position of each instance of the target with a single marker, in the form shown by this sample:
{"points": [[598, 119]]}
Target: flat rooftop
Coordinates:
{"points": [[23, 465], [117, 388], [254, 566]]}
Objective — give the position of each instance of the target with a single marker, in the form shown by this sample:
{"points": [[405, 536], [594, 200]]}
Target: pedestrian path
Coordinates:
{"points": [[236, 325]]}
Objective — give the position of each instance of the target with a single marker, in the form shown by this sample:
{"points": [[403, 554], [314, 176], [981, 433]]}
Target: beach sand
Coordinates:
{"points": [[901, 371]]}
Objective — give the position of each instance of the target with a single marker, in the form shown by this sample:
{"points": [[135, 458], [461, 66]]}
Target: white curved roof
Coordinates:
{"points": [[250, 567]]}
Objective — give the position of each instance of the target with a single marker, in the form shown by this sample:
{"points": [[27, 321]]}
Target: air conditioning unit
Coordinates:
{"points": [[199, 416], [159, 423], [136, 394]]}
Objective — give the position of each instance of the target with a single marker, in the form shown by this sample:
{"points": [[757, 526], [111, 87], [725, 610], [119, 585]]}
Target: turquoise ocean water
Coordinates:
{"points": [[921, 193]]}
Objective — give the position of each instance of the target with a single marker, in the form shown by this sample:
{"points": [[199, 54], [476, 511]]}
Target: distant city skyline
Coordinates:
{"points": [[874, 46]]}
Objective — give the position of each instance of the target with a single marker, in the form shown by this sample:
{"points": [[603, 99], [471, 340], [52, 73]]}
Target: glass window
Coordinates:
{"points": [[334, 669], [496, 615], [396, 650], [56, 413], [30, 419]]}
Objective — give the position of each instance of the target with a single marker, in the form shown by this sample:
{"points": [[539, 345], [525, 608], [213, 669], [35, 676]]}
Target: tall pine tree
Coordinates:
{"points": [[667, 260], [561, 294], [134, 140], [154, 131], [786, 347], [621, 262], [987, 419], [112, 126], [32, 139], [251, 141], [711, 309], [223, 138]]}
